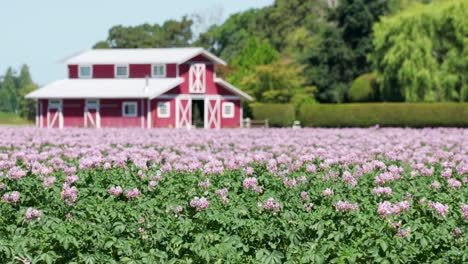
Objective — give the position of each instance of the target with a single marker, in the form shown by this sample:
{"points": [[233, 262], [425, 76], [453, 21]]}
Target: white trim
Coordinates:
{"points": [[37, 113], [148, 113], [177, 70], [227, 104], [154, 75], [134, 103], [95, 105], [214, 115], [90, 71], [197, 78], [168, 106], [186, 113], [58, 105], [121, 76], [232, 88]]}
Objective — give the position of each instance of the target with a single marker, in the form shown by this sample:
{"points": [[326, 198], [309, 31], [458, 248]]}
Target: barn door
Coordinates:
{"points": [[213, 113], [91, 114], [197, 78], [54, 114], [183, 113]]}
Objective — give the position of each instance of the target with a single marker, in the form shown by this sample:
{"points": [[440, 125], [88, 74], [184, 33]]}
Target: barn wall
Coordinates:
{"points": [[234, 121], [72, 71], [161, 121], [44, 103], [184, 72], [171, 70], [111, 113], [103, 71], [140, 70], [73, 113]]}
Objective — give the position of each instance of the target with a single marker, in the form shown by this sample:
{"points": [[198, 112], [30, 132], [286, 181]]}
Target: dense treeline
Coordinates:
{"points": [[13, 88], [297, 51]]}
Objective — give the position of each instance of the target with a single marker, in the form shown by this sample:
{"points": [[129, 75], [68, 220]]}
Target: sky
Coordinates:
{"points": [[41, 33]]}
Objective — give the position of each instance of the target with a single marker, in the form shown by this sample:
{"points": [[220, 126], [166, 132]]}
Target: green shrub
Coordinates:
{"points": [[363, 89], [279, 115], [385, 114]]}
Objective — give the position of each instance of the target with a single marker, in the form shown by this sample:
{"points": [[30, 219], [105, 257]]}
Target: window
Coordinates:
{"points": [[164, 109], [85, 72], [55, 103], [121, 71], [129, 109], [228, 109], [159, 70], [92, 103]]}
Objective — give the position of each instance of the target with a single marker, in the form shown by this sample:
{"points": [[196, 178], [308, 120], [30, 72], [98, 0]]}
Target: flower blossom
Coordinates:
{"points": [[252, 184], [49, 181], [132, 194], [205, 184], [435, 185], [11, 198], [69, 194], [464, 209], [270, 205], [344, 206], [304, 196], [441, 209], [403, 232], [32, 213], [199, 204], [328, 192], [454, 183], [387, 191], [115, 190]]}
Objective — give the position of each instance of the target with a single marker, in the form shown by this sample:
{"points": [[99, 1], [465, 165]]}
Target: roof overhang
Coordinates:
{"points": [[233, 89], [105, 88]]}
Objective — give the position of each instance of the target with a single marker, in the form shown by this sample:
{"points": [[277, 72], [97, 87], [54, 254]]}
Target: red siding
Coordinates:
{"points": [[111, 113], [103, 71], [163, 121], [44, 103], [234, 121], [184, 72], [73, 113], [171, 70], [140, 70], [72, 71]]}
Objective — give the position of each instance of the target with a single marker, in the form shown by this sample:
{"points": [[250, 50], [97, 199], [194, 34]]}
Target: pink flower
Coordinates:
{"points": [[49, 181], [71, 179], [290, 183], [308, 207], [447, 173], [328, 192], [252, 184], [456, 232], [454, 183], [205, 184], [222, 192], [344, 206], [248, 171], [464, 209], [403, 232], [435, 185], [16, 173], [69, 194], [304, 196], [199, 204], [386, 208], [441, 209], [387, 191], [132, 194], [115, 191], [11, 198], [32, 213], [272, 205]]}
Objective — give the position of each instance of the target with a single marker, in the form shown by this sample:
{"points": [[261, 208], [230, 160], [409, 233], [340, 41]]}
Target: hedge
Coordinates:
{"points": [[278, 115], [363, 89], [385, 114]]}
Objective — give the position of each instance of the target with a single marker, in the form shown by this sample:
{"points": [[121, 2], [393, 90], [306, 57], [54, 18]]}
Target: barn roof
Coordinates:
{"points": [[160, 55], [233, 89], [106, 88]]}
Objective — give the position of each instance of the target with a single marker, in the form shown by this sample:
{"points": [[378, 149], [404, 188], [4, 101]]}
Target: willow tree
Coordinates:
{"points": [[421, 53]]}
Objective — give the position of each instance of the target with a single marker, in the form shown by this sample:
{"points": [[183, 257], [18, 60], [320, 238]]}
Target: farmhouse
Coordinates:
{"points": [[147, 88]]}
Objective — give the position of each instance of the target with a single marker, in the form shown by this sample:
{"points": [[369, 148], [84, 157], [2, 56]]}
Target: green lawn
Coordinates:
{"points": [[13, 119]]}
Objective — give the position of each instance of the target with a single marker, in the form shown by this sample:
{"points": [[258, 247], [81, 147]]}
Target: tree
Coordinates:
{"points": [[171, 33], [27, 107], [7, 92], [275, 82], [421, 53]]}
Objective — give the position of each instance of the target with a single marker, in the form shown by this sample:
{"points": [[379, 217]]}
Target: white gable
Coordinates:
{"points": [[140, 56]]}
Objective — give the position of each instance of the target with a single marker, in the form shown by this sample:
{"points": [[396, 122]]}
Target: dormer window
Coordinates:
{"points": [[85, 71], [158, 71], [121, 71]]}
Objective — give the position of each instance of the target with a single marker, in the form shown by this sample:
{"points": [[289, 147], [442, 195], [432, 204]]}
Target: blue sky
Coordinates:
{"points": [[40, 33]]}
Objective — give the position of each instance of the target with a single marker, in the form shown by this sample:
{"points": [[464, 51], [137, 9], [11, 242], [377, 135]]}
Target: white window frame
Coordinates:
{"points": [[227, 104], [56, 104], [124, 104], [168, 106], [121, 76], [154, 75], [90, 71]]}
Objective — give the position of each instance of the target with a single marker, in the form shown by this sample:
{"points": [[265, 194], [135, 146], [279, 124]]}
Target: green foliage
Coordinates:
{"points": [[12, 119], [421, 54], [279, 115], [385, 114], [171, 33], [8, 92], [27, 107], [363, 89], [274, 83]]}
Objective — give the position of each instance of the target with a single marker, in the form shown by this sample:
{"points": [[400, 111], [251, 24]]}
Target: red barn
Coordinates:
{"points": [[173, 87]]}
